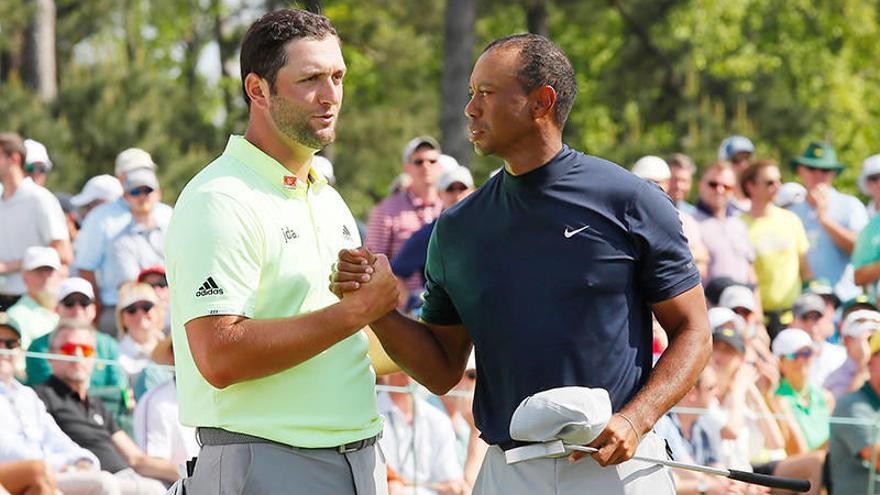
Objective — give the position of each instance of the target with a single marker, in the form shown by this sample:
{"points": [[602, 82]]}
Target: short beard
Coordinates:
{"points": [[294, 124]]}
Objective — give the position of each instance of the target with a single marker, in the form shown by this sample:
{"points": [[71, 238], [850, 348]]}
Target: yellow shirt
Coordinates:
{"points": [[779, 239]]}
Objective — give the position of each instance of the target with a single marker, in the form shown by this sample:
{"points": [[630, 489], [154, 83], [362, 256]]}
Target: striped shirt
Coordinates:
{"points": [[394, 220]]}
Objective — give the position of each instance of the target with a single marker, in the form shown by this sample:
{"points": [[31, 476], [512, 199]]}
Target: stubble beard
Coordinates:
{"points": [[293, 122]]}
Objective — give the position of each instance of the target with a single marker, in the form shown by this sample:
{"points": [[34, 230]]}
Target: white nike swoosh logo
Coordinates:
{"points": [[569, 233]]}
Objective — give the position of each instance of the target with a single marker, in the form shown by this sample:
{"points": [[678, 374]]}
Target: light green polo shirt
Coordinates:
{"points": [[33, 319], [245, 241]]}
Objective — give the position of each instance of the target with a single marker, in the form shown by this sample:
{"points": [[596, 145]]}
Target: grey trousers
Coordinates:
{"points": [[264, 469], [560, 477]]}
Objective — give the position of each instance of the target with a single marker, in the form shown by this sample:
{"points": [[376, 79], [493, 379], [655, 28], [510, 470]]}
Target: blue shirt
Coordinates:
{"points": [[99, 229], [826, 259], [413, 254], [552, 273]]}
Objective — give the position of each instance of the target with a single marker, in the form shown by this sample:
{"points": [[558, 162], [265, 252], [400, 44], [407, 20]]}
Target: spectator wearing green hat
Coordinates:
{"points": [[831, 219]]}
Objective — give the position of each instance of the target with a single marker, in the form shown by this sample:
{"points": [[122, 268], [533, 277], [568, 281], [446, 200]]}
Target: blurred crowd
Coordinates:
{"points": [[790, 273]]}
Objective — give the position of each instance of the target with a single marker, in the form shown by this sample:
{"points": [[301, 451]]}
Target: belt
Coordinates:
{"points": [[512, 444], [219, 436]]}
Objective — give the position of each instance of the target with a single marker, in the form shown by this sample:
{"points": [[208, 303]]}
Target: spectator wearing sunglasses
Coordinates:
{"points": [[30, 215], [831, 219], [140, 322], [99, 230], [403, 213], [35, 311], [37, 164], [810, 315], [155, 277], [85, 420]]}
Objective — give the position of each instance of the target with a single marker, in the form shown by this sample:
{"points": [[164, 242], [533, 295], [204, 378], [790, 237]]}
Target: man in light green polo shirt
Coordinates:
{"points": [[271, 366]]}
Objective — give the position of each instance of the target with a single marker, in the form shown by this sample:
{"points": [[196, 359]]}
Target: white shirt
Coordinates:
{"points": [[831, 356], [31, 217], [29, 432], [132, 357], [157, 429], [431, 458]]}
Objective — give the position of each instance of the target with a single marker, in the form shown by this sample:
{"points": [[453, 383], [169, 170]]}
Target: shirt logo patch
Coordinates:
{"points": [[209, 288], [570, 233], [290, 181], [98, 419], [346, 234], [288, 234]]}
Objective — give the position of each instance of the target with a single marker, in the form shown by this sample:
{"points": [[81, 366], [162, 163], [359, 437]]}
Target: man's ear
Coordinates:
{"points": [[545, 102], [257, 90]]}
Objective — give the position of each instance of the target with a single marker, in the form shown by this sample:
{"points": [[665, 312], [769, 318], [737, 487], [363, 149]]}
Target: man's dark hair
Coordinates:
{"points": [[750, 174], [11, 144], [542, 63], [262, 50]]}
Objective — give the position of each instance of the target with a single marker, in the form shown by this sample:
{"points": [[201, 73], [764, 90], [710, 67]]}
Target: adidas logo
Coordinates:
{"points": [[209, 288]]}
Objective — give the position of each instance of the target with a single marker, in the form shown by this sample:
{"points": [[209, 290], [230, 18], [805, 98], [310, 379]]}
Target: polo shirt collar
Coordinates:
{"points": [[270, 169], [62, 389], [543, 176], [871, 395]]}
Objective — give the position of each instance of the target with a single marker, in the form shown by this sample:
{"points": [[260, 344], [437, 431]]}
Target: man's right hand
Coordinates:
{"points": [[353, 267], [374, 289]]}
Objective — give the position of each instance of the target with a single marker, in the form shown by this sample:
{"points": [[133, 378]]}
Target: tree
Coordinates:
{"points": [[458, 47]]}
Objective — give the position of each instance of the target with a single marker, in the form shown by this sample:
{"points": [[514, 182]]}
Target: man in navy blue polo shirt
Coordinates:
{"points": [[551, 270]]}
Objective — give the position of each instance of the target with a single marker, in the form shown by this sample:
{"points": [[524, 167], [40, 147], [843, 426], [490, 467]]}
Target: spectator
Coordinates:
{"points": [[741, 300], [738, 151], [396, 218], [809, 313], [654, 169], [99, 229], [154, 276], [869, 183], [823, 289], [428, 460], [85, 420], [851, 449], [866, 253], [790, 193], [30, 433], [98, 190], [37, 164], [29, 216], [682, 170], [726, 236], [856, 329], [35, 310], [779, 240], [459, 404], [139, 320], [141, 244], [831, 219]]}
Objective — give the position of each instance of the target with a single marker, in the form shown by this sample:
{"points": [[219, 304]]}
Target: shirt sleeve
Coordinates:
{"points": [[666, 266], [867, 246], [214, 252], [438, 308], [50, 218]]}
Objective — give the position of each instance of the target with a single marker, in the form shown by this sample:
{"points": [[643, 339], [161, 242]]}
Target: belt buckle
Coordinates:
{"points": [[350, 447]]}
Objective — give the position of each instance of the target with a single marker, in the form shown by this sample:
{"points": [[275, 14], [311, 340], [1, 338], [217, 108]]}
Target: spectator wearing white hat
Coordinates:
{"points": [[654, 169], [869, 182], [810, 315], [98, 190], [101, 227], [35, 311], [738, 151], [856, 329], [30, 215], [37, 164], [790, 193]]}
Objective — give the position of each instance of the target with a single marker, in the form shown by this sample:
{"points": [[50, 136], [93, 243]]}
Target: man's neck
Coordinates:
{"points": [[424, 192], [6, 380], [293, 156], [533, 151], [759, 208], [81, 388], [143, 218], [11, 183]]}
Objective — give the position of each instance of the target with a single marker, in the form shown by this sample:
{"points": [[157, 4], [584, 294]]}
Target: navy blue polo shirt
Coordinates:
{"points": [[552, 273]]}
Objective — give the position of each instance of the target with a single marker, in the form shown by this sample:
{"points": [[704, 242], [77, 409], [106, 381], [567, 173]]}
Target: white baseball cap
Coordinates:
{"points": [[133, 159], [790, 193], [36, 152], [720, 316], [324, 167], [860, 321], [652, 167], [871, 166], [790, 341], [449, 163], [74, 285], [40, 256], [100, 187], [141, 177], [733, 145], [737, 296], [575, 415], [460, 174], [415, 143]]}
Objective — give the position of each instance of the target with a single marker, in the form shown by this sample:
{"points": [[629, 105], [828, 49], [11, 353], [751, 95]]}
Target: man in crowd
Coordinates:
{"points": [[682, 170], [35, 311], [98, 190], [29, 216], [809, 315], [37, 164], [738, 151]]}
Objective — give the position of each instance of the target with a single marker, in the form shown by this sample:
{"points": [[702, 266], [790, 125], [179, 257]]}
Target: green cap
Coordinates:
{"points": [[818, 155]]}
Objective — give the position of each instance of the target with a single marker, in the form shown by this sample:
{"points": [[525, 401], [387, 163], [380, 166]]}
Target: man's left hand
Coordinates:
{"points": [[617, 443]]}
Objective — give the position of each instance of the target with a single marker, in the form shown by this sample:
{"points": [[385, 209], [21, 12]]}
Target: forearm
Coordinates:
{"points": [[153, 467], [867, 274], [804, 267], [10, 266], [844, 238]]}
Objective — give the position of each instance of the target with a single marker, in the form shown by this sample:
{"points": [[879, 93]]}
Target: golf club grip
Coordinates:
{"points": [[794, 484]]}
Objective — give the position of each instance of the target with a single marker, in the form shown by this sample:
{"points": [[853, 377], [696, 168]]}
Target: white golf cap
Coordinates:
{"points": [[448, 163], [790, 193], [790, 341], [737, 296], [733, 145], [460, 174], [575, 415], [860, 321], [324, 167], [133, 159], [100, 187], [652, 167], [871, 166], [75, 285], [40, 256], [417, 142], [141, 177], [719, 316], [35, 152]]}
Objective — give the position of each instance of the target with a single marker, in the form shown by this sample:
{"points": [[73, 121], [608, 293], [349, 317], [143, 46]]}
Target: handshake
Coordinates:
{"points": [[365, 279]]}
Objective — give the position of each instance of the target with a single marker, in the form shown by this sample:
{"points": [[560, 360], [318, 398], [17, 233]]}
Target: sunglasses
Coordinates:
{"points": [[471, 374], [873, 178], [70, 302], [771, 183], [817, 169], [141, 190], [803, 353], [812, 316], [456, 188], [715, 185], [424, 161], [134, 308], [10, 343], [32, 168], [159, 283], [70, 348]]}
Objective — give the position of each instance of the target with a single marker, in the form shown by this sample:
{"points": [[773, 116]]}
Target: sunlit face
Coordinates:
{"points": [[680, 183], [305, 101], [796, 366], [454, 193], [43, 281], [423, 167], [74, 342], [498, 112], [716, 187], [812, 177], [141, 320], [142, 200], [11, 341], [765, 185], [76, 306]]}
